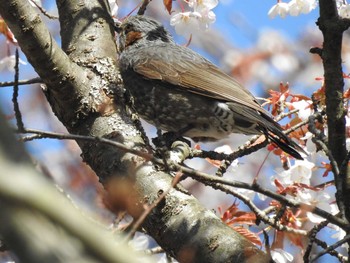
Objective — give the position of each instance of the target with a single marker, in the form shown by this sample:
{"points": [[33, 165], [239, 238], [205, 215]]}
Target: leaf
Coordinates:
{"points": [[252, 237], [7, 32], [295, 239], [168, 5], [216, 163], [243, 217]]}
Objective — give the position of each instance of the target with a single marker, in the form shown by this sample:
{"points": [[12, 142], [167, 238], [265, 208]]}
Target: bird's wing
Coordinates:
{"points": [[182, 67]]}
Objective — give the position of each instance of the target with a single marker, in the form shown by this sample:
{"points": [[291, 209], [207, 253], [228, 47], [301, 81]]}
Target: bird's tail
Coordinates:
{"points": [[286, 144], [274, 132], [264, 124]]}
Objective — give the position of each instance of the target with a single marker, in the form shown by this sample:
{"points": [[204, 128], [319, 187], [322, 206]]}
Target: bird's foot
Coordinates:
{"points": [[167, 139]]}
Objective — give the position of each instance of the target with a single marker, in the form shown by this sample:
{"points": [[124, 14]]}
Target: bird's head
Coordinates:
{"points": [[141, 31]]}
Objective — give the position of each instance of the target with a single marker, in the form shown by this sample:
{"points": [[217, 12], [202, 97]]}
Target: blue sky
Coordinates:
{"points": [[254, 13]]}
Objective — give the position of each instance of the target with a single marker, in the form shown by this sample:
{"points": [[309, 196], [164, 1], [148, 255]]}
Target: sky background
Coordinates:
{"points": [[254, 14]]}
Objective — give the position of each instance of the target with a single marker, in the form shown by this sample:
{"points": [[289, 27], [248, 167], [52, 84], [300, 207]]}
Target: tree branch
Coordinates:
{"points": [[20, 82], [54, 67], [332, 29], [32, 209]]}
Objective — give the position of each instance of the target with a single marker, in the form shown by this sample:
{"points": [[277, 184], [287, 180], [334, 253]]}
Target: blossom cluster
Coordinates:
{"points": [[343, 9], [293, 8], [200, 17], [297, 7]]}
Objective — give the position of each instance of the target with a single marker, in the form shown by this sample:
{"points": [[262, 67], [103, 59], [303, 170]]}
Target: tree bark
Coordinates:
{"points": [[333, 27], [39, 224]]}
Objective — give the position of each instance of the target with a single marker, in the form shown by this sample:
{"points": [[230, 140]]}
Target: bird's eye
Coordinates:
{"points": [[128, 28]]}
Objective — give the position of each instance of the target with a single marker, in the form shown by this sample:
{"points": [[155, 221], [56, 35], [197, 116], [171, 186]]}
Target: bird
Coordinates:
{"points": [[178, 90]]}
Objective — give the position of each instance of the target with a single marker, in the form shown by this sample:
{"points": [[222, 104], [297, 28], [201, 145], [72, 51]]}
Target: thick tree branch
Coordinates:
{"points": [[332, 28], [38, 224], [54, 67]]}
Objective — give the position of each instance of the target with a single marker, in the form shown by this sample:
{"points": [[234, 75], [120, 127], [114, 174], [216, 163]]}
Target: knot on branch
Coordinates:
{"points": [[317, 51]]}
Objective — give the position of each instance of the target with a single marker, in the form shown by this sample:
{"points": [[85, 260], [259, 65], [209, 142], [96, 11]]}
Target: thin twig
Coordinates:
{"points": [[267, 243], [155, 250], [282, 115], [200, 176], [295, 127], [312, 236], [214, 181], [20, 82], [18, 114], [331, 248], [143, 7], [62, 136], [43, 11], [334, 253], [259, 213]]}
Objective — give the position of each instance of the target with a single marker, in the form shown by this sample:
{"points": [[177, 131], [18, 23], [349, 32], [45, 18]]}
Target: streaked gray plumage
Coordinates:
{"points": [[176, 89]]}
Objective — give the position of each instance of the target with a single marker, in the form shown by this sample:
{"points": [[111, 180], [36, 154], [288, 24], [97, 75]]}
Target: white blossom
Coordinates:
{"points": [[185, 23], [344, 11], [297, 7], [279, 9], [201, 17], [339, 234], [285, 62], [300, 172], [321, 199], [9, 62], [197, 5], [294, 8], [308, 6], [164, 259], [310, 145], [207, 17], [139, 242], [304, 108], [281, 256], [114, 7]]}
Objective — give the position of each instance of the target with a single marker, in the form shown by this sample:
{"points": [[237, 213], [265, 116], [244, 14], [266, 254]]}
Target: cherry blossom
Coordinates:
{"points": [[344, 11], [197, 5], [300, 172], [279, 9], [293, 8], [185, 23], [281, 256], [9, 62], [304, 108], [139, 242], [114, 7], [201, 17], [207, 17], [297, 7], [321, 199], [339, 234], [310, 146]]}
